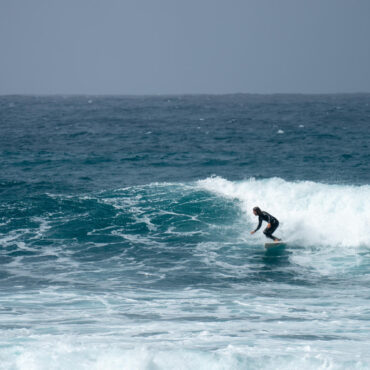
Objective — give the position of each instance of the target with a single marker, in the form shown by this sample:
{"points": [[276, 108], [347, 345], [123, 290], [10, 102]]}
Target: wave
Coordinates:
{"points": [[310, 213], [207, 223], [58, 354]]}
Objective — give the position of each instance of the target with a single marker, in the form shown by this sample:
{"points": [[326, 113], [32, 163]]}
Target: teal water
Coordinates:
{"points": [[124, 232]]}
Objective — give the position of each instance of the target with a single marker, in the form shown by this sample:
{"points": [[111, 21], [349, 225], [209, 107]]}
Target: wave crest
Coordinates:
{"points": [[309, 213]]}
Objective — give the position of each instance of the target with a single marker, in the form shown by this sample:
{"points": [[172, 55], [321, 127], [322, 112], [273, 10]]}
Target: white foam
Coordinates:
{"points": [[170, 332], [68, 354], [310, 214]]}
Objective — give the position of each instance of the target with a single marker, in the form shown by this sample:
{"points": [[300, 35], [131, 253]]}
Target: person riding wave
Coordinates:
{"points": [[272, 223]]}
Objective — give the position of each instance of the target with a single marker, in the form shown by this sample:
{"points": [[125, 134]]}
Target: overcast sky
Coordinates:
{"points": [[187, 46]]}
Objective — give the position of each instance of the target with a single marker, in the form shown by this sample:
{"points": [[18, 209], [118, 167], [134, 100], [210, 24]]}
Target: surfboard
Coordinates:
{"points": [[275, 244]]}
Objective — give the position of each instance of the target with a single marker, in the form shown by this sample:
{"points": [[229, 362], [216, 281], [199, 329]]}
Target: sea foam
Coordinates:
{"points": [[310, 213]]}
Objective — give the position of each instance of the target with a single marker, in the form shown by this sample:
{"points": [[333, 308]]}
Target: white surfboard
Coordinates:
{"points": [[275, 244]]}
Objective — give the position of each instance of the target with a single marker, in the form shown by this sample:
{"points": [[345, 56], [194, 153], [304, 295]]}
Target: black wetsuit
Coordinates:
{"points": [[264, 216]]}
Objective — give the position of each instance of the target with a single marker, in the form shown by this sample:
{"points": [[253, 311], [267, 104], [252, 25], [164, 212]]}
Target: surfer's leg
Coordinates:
{"points": [[268, 232]]}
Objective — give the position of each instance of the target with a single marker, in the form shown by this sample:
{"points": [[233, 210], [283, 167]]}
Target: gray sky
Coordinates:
{"points": [[187, 46]]}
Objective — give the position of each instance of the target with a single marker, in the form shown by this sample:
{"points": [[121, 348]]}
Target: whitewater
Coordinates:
{"points": [[125, 232], [313, 214]]}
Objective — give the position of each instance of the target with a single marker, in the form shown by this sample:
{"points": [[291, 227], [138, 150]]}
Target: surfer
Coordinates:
{"points": [[272, 223]]}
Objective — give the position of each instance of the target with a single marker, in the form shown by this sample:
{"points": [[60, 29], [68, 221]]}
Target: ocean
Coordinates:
{"points": [[125, 232]]}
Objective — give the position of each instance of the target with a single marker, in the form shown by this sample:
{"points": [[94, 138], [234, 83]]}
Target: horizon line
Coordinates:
{"points": [[179, 94]]}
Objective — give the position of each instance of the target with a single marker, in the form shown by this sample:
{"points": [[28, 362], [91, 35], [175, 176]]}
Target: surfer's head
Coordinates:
{"points": [[256, 211]]}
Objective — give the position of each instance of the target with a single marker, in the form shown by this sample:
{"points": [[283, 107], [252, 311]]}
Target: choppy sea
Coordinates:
{"points": [[125, 232]]}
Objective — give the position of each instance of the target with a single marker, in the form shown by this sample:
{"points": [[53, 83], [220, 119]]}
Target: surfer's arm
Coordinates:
{"points": [[259, 224]]}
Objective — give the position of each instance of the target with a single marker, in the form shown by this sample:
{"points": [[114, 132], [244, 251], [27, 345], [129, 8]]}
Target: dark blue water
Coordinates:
{"points": [[124, 232]]}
